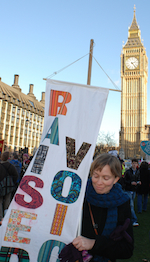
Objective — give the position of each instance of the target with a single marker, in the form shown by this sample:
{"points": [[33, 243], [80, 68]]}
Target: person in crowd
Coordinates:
{"points": [[8, 177], [10, 156], [121, 180], [123, 166], [25, 164], [14, 161], [107, 232], [25, 158], [20, 157], [131, 182], [143, 188]]}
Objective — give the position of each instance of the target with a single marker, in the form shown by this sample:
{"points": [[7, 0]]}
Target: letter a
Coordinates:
{"points": [[52, 133]]}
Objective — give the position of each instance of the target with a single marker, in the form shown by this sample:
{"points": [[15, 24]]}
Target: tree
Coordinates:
{"points": [[105, 143], [106, 139]]}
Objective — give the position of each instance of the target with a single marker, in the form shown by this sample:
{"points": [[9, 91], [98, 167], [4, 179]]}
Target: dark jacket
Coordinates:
{"points": [[104, 246], [145, 181], [5, 165], [18, 166], [130, 177]]}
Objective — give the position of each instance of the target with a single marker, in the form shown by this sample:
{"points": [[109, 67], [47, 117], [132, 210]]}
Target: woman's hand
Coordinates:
{"points": [[83, 243]]}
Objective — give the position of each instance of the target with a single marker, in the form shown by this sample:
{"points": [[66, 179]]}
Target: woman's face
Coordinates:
{"points": [[24, 157], [103, 180]]}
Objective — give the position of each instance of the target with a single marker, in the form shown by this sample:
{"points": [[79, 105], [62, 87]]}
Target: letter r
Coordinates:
{"points": [[54, 104]]}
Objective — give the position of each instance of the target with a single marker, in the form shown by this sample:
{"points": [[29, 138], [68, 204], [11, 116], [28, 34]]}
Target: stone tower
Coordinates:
{"points": [[134, 74]]}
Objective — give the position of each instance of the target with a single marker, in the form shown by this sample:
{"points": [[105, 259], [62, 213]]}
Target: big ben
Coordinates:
{"points": [[134, 74]]}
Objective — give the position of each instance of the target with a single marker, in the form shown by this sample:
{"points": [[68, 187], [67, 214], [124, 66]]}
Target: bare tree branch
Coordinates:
{"points": [[106, 139]]}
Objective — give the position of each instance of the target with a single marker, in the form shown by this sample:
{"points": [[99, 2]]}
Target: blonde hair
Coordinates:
{"points": [[107, 159]]}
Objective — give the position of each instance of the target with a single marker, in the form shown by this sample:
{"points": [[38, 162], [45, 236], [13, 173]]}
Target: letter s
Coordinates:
{"points": [[37, 199]]}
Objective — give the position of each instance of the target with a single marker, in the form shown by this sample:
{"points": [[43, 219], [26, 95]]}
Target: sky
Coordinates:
{"points": [[39, 38]]}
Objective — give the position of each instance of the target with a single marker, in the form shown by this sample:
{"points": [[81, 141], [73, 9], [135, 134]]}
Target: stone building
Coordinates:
{"points": [[134, 75], [21, 117]]}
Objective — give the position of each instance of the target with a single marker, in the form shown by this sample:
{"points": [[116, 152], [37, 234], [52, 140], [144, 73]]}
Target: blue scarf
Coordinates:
{"points": [[111, 201]]}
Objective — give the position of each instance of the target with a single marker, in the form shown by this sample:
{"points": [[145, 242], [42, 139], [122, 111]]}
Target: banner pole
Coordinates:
{"points": [[90, 62]]}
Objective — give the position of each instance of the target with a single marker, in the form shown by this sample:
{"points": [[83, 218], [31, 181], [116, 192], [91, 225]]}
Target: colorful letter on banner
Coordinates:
{"points": [[45, 211]]}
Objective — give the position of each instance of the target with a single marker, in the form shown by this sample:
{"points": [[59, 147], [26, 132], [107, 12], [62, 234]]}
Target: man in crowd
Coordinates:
{"points": [[131, 181], [15, 162]]}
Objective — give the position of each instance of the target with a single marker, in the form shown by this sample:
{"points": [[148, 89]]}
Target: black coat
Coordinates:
{"points": [[129, 177], [5, 165], [145, 181], [105, 246]]}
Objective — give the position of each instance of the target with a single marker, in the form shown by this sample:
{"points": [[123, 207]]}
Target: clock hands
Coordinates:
{"points": [[133, 64]]}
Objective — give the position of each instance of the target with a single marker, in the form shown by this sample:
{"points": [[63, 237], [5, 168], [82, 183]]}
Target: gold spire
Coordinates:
{"points": [[134, 34], [134, 25]]}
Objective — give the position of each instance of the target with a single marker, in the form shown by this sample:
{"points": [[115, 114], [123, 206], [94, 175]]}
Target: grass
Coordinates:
{"points": [[141, 236]]}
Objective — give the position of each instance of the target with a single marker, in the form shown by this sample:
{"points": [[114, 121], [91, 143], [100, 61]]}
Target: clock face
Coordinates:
{"points": [[132, 63]]}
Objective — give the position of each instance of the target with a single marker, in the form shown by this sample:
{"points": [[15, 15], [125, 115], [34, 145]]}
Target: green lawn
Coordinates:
{"points": [[141, 236]]}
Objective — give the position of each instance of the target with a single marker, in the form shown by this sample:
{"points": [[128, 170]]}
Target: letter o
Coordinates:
{"points": [[57, 186], [46, 250]]}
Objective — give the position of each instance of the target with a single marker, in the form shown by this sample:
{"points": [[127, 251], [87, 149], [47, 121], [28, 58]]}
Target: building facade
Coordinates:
{"points": [[21, 117], [134, 75]]}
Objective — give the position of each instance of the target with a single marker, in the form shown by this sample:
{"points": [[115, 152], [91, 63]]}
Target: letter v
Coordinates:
{"points": [[73, 161]]}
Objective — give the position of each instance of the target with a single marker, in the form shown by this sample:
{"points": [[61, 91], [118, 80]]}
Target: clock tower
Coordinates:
{"points": [[134, 74]]}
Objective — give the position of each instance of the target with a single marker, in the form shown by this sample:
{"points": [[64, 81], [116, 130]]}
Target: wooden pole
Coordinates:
{"points": [[90, 62]]}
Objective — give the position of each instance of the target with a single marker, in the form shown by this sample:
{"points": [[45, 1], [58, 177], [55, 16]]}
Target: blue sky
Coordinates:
{"points": [[41, 37]]}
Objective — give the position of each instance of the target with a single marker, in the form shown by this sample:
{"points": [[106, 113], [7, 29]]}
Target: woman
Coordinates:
{"points": [[9, 176], [143, 188], [107, 231], [25, 164]]}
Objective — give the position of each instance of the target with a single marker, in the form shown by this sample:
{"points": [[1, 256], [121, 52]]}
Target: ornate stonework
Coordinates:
{"points": [[21, 117], [134, 74]]}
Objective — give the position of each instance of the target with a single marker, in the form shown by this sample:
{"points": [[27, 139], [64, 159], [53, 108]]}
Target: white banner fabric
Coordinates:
{"points": [[45, 212]]}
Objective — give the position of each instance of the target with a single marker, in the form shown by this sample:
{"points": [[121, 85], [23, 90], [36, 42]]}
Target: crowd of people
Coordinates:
{"points": [[108, 209], [136, 181]]}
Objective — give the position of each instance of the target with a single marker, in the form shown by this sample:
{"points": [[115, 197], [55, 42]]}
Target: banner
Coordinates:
{"points": [[1, 146], [145, 146], [45, 212]]}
